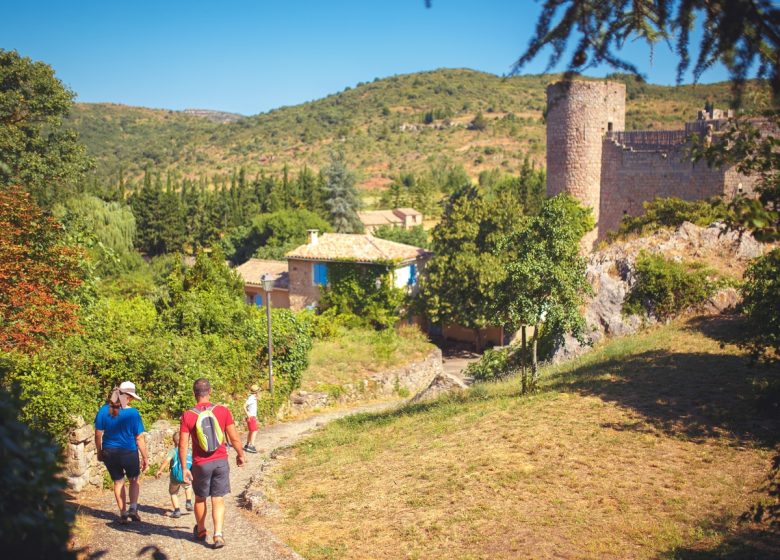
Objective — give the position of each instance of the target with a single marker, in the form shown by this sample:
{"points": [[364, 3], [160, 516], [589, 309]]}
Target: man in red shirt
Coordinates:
{"points": [[210, 473]]}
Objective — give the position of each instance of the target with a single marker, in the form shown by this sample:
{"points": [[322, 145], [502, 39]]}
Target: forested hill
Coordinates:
{"points": [[407, 122]]}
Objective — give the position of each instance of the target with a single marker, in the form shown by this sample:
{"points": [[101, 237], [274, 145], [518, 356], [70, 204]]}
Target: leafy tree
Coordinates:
{"points": [[272, 235], [35, 149], [761, 303], [416, 236], [672, 212], [341, 198], [40, 275], [462, 279], [544, 279], [743, 35]]}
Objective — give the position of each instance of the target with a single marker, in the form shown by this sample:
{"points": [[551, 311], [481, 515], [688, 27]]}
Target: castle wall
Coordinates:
{"points": [[579, 114], [630, 177]]}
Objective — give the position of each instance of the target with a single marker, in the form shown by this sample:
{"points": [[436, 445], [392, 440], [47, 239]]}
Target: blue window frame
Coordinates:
{"points": [[320, 274]]}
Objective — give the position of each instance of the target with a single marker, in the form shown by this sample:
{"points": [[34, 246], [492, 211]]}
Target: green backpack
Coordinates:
{"points": [[208, 432]]}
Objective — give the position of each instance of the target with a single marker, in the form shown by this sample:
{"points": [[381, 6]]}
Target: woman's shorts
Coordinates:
{"points": [[251, 423], [121, 463]]}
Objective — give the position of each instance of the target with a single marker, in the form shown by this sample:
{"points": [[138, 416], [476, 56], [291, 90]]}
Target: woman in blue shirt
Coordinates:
{"points": [[118, 438]]}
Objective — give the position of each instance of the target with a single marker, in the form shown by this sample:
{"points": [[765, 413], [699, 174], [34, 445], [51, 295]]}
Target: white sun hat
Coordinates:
{"points": [[128, 388]]}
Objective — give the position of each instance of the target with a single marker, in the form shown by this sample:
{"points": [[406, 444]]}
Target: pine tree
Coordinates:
{"points": [[341, 197]]}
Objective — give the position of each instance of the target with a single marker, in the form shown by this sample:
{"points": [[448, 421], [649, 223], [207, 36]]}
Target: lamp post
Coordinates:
{"points": [[268, 286]]}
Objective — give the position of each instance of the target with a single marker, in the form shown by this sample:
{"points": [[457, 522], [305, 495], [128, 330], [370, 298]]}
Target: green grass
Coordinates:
{"points": [[354, 354], [650, 446]]}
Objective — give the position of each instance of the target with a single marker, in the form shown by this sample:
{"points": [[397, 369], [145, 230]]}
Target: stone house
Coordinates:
{"points": [[308, 264], [405, 218], [252, 273]]}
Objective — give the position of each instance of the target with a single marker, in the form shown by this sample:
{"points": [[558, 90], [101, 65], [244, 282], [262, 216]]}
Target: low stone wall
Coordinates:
{"points": [[83, 470], [411, 378]]}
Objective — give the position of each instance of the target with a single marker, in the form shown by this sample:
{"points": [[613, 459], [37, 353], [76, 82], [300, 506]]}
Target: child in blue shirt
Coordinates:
{"points": [[172, 464]]}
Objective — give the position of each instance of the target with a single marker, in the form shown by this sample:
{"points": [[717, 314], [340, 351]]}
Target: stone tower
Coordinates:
{"points": [[579, 114]]}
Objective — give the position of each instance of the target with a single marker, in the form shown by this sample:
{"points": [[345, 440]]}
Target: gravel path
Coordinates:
{"points": [[160, 537]]}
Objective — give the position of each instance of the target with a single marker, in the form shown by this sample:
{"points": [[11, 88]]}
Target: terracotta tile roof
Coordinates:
{"points": [[252, 272], [351, 247], [379, 218], [408, 212]]}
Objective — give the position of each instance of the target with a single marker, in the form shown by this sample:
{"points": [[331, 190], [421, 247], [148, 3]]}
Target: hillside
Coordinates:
{"points": [[402, 122], [652, 446]]}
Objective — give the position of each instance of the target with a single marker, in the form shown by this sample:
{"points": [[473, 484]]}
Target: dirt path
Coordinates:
{"points": [[159, 536]]}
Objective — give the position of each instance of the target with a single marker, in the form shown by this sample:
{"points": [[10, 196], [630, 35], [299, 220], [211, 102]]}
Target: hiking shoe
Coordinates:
{"points": [[250, 449], [219, 541], [133, 515], [198, 535], [176, 513], [124, 518], [188, 505]]}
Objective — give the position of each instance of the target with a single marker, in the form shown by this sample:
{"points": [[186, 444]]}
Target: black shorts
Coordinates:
{"points": [[121, 462], [211, 479]]}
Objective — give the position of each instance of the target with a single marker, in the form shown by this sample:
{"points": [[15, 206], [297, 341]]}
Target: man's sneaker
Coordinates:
{"points": [[133, 515], [176, 513], [188, 505], [124, 518], [250, 449]]}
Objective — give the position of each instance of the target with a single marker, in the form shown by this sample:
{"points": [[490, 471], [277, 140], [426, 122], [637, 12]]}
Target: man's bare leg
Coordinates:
{"points": [[200, 513], [218, 513]]}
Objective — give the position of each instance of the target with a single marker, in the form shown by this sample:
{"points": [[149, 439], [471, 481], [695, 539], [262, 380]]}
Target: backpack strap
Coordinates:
{"points": [[196, 410]]}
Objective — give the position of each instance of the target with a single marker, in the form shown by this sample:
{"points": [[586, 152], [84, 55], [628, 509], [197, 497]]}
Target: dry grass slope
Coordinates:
{"points": [[650, 446]]}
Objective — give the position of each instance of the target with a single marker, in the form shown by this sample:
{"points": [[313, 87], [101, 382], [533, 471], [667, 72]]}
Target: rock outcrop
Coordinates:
{"points": [[442, 383], [612, 273]]}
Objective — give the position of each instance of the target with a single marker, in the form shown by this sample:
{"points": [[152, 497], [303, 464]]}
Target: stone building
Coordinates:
{"points": [[591, 156], [405, 218]]}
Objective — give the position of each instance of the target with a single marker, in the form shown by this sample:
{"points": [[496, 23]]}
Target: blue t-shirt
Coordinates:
{"points": [[120, 431]]}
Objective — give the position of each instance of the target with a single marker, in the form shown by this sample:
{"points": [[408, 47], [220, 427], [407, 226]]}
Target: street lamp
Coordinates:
{"points": [[268, 286]]}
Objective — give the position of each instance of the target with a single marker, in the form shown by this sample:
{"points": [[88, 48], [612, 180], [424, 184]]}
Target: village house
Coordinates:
{"points": [[405, 218], [298, 281]]}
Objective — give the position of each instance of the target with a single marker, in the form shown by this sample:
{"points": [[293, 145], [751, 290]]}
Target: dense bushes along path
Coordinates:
{"points": [[160, 536]]}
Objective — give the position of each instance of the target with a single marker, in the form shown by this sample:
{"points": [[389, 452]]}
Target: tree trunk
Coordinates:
{"points": [[534, 360], [523, 375], [477, 341]]}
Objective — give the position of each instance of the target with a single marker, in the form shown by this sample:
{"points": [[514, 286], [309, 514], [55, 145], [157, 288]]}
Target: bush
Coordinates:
{"points": [[34, 521], [671, 213], [665, 288], [494, 364], [415, 236], [761, 304]]}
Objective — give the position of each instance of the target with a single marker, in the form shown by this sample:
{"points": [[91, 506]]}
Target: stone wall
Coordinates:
{"points": [[303, 291], [83, 470], [411, 378]]}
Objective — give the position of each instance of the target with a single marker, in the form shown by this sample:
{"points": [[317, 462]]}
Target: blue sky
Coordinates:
{"points": [[249, 57]]}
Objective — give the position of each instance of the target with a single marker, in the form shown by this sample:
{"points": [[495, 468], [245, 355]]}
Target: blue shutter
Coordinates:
{"points": [[259, 300], [412, 274], [320, 274]]}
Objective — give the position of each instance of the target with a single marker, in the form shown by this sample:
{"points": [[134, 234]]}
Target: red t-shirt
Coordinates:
{"points": [[188, 419]]}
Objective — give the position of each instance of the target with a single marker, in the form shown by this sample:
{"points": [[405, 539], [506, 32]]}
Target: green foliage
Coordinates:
{"points": [[416, 236], [272, 235], [494, 364], [34, 520], [761, 303], [479, 122], [461, 280], [354, 296], [340, 196], [37, 151], [671, 213], [665, 288]]}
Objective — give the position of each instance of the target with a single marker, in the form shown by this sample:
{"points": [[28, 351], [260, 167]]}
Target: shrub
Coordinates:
{"points": [[761, 304], [34, 521], [493, 365], [665, 288], [671, 213]]}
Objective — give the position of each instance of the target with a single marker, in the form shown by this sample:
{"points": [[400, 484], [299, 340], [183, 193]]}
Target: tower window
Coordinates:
{"points": [[609, 127]]}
